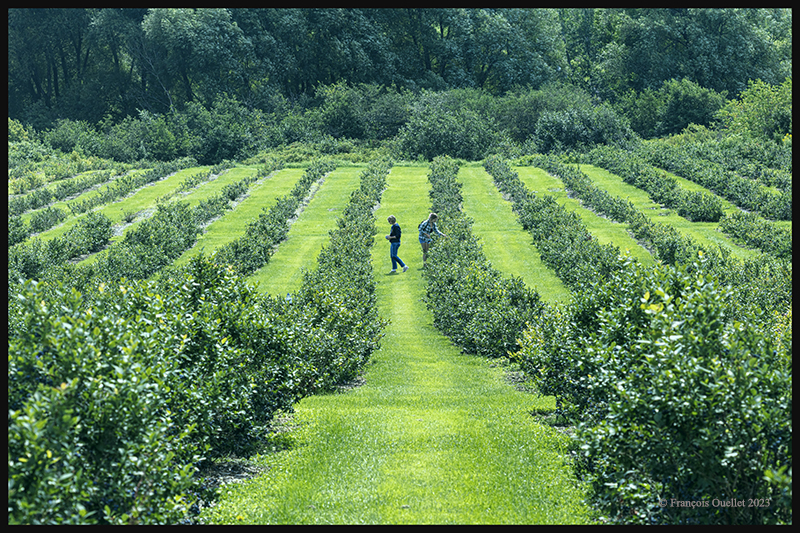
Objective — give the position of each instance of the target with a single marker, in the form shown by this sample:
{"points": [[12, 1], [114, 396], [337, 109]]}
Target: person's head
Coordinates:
{"points": [[433, 217], [391, 219]]}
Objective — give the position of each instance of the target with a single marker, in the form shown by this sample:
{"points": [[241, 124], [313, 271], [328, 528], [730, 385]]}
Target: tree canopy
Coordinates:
{"points": [[96, 63]]}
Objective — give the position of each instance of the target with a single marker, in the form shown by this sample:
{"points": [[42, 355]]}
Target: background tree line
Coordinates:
{"points": [[165, 82]]}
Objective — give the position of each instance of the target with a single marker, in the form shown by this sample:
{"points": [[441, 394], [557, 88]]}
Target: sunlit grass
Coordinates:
{"points": [[309, 233], [433, 436], [505, 243], [604, 230]]}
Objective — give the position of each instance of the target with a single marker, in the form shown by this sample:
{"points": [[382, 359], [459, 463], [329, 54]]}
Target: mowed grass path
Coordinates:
{"points": [[284, 271], [604, 230], [432, 436], [505, 243]]}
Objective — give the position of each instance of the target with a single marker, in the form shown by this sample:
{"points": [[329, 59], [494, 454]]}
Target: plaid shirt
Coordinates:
{"points": [[426, 226]]}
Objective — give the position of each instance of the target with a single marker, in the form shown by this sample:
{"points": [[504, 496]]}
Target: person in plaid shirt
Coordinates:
{"points": [[427, 229]]}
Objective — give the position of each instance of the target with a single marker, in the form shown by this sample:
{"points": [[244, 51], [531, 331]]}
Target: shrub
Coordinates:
{"points": [[698, 409], [580, 128], [90, 437], [675, 399], [762, 111], [436, 129], [758, 232], [685, 102]]}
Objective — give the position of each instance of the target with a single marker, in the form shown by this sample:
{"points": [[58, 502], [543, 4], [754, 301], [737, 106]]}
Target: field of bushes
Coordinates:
{"points": [[131, 369]]}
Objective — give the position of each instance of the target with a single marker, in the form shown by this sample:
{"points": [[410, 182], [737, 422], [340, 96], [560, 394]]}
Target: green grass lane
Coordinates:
{"points": [[433, 436], [604, 230], [207, 189], [62, 204], [284, 271], [505, 243], [142, 198], [705, 233], [232, 224]]}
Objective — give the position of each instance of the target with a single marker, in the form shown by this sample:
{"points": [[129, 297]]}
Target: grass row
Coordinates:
{"points": [[705, 233], [432, 436]]}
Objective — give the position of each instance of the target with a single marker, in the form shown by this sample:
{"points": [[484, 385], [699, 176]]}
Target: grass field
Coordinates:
{"points": [[431, 436], [505, 243], [309, 233]]}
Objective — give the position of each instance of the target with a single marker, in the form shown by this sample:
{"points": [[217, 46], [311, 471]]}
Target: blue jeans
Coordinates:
{"points": [[393, 254]]}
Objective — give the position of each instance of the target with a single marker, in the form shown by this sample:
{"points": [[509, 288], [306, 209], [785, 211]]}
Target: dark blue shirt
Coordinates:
{"points": [[394, 235]]}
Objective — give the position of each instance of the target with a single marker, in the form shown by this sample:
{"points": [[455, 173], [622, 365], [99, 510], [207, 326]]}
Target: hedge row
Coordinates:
{"points": [[124, 185], [759, 233], [742, 192], [45, 219], [563, 241], [146, 248], [472, 303], [337, 300], [252, 251], [697, 206], [117, 398], [62, 189], [673, 399], [768, 163], [30, 259]]}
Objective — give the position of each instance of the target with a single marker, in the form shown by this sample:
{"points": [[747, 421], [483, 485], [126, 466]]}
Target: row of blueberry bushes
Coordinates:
{"points": [[477, 307], [743, 192], [253, 250], [677, 392], [117, 398], [697, 206]]}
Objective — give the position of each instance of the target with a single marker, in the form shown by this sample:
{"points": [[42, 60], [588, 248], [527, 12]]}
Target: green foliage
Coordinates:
{"points": [[91, 439], [472, 303], [32, 259], [252, 251], [675, 106], [760, 233], [676, 400], [741, 191], [113, 397], [562, 239], [580, 129], [435, 129], [685, 102], [763, 282], [762, 111], [149, 245], [695, 206]]}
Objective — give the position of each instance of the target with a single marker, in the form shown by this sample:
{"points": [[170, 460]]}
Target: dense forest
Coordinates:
{"points": [[161, 83]]}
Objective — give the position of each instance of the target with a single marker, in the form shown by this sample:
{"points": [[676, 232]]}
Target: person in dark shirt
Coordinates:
{"points": [[394, 244], [427, 229]]}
